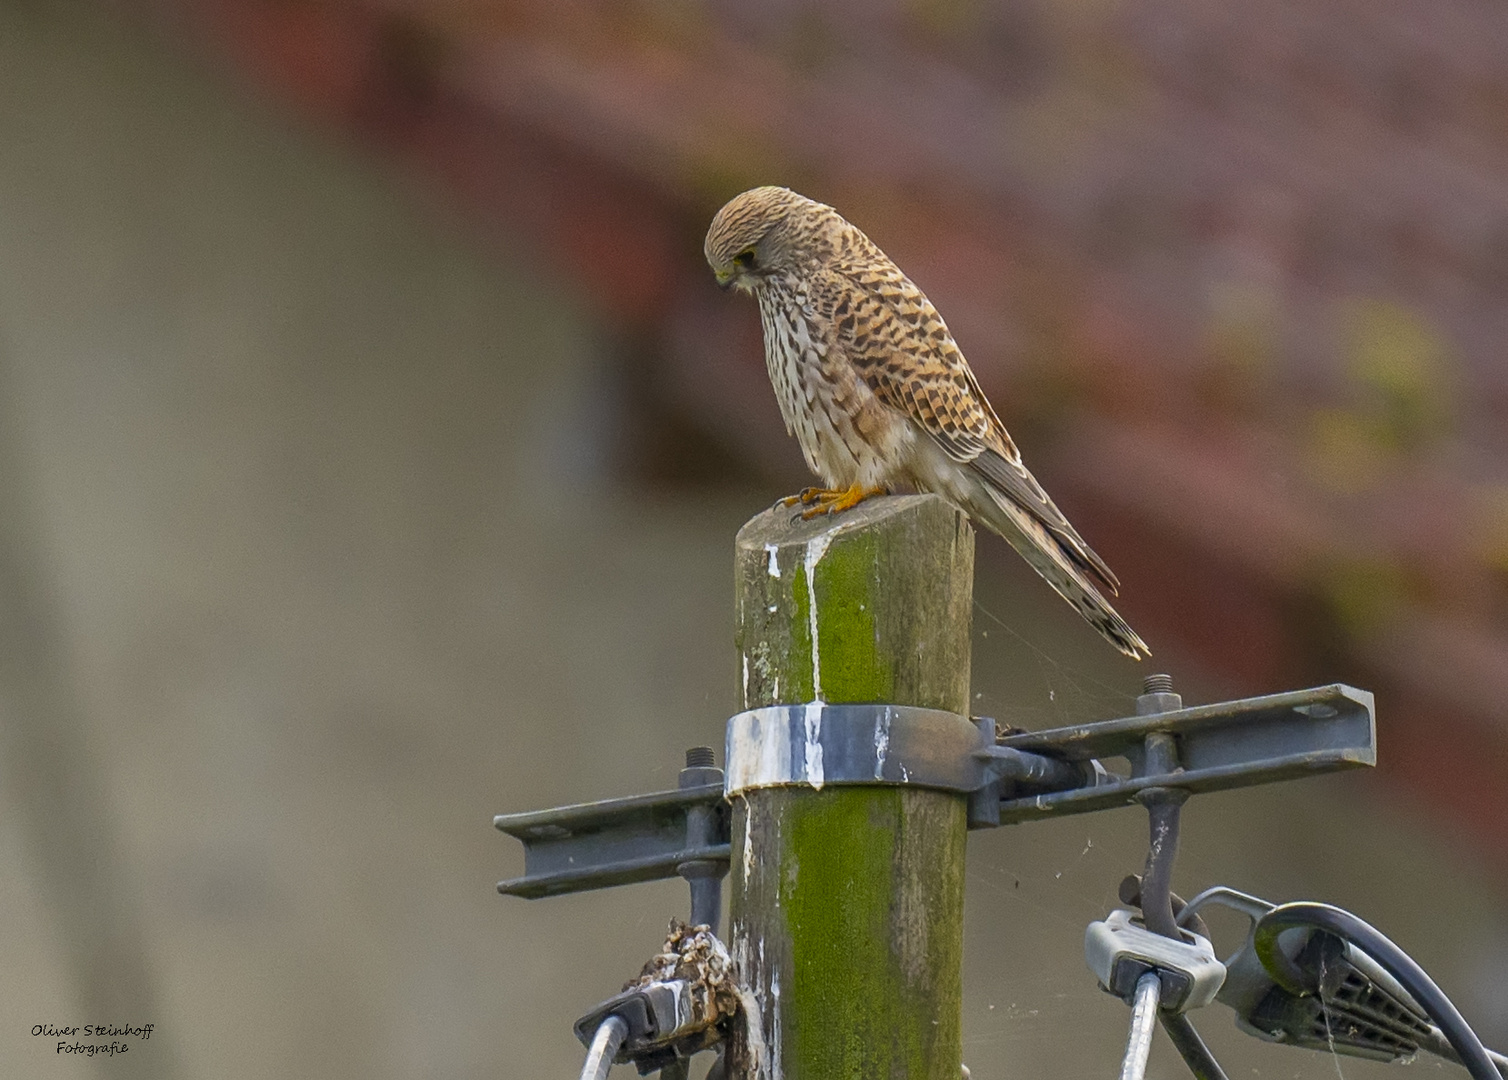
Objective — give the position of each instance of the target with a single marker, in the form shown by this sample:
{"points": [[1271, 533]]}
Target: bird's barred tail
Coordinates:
{"points": [[1047, 555]]}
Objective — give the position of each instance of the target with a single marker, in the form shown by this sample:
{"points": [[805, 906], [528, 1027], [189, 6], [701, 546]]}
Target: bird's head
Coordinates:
{"points": [[762, 232]]}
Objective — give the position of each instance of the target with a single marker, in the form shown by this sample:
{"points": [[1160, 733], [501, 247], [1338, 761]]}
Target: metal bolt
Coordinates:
{"points": [[1157, 684], [1158, 696], [704, 877]]}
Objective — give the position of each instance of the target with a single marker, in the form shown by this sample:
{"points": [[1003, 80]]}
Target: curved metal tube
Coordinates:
{"points": [[1143, 1019], [599, 1058]]}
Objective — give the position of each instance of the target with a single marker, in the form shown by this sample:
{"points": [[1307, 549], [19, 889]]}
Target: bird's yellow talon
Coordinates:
{"points": [[830, 501], [807, 496]]}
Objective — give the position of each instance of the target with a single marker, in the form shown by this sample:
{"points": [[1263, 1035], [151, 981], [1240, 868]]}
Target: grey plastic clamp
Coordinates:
{"points": [[1120, 952]]}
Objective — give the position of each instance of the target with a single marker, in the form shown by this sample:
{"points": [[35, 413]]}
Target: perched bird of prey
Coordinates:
{"points": [[879, 397]]}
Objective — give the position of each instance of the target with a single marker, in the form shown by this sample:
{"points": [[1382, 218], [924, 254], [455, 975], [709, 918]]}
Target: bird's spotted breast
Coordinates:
{"points": [[817, 393], [791, 361]]}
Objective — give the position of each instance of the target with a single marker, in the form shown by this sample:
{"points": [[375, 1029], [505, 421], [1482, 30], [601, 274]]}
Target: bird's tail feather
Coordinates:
{"points": [[1045, 552]]}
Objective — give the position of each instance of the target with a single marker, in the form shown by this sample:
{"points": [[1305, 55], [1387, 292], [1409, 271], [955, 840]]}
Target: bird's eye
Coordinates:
{"points": [[744, 259]]}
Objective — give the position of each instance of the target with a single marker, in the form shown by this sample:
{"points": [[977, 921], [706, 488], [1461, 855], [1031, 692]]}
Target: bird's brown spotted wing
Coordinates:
{"points": [[888, 329]]}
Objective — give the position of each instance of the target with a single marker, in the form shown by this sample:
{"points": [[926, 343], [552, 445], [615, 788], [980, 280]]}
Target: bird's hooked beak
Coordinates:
{"points": [[724, 275]]}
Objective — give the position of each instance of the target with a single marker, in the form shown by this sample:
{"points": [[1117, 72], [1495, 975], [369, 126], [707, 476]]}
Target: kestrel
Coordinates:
{"points": [[877, 393]]}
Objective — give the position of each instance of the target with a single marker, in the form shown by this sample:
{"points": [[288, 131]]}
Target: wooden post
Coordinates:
{"points": [[847, 901]]}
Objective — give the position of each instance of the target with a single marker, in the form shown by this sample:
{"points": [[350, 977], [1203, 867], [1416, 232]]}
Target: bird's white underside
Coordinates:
{"points": [[807, 380]]}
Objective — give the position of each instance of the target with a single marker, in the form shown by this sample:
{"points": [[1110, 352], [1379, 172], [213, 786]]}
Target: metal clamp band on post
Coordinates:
{"points": [[1051, 773], [1019, 776], [817, 744]]}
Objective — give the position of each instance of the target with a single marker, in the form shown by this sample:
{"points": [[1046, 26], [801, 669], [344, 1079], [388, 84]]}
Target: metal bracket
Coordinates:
{"points": [[614, 842], [1233, 744], [1017, 777]]}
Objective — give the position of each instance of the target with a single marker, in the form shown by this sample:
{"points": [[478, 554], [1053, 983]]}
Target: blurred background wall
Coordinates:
{"points": [[372, 443]]}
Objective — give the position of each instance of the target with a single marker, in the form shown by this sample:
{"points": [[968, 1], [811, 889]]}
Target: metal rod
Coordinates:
{"points": [[707, 902], [705, 877], [1163, 810], [605, 1044], [1143, 1019], [1195, 1054], [1036, 772], [1160, 756]]}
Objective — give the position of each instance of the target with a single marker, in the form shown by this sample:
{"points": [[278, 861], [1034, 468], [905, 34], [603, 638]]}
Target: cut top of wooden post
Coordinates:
{"points": [[873, 605]]}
